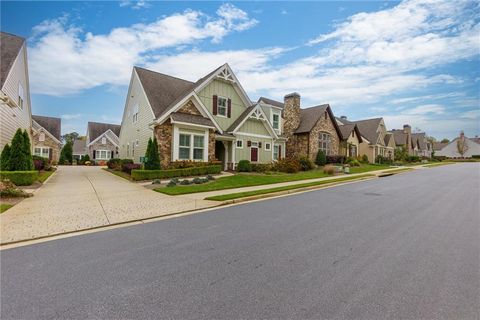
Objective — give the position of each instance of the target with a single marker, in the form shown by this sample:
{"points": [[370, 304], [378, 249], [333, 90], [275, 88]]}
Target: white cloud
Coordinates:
{"points": [[472, 114], [139, 4], [426, 109], [66, 60], [71, 116]]}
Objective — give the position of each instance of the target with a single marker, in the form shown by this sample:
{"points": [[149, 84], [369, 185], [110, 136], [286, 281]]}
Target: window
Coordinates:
{"points": [[324, 142], [184, 150], [239, 144], [254, 144], [104, 140], [276, 152], [41, 152], [20, 95], [197, 147], [276, 121], [41, 137], [222, 106], [135, 113], [353, 151], [133, 148], [268, 146], [102, 154], [128, 149]]}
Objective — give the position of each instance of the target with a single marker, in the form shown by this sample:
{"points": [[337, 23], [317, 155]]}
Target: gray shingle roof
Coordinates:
{"points": [[309, 117], [51, 124], [79, 146], [420, 139], [368, 128], [437, 146], [347, 129], [191, 118], [271, 102], [95, 129], [387, 138], [400, 137], [10, 46]]}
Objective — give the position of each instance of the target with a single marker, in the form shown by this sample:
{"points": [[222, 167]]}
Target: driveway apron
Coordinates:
{"points": [[78, 198]]}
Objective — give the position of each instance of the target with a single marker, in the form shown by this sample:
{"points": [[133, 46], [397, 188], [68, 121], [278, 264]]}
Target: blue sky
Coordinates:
{"points": [[413, 62]]}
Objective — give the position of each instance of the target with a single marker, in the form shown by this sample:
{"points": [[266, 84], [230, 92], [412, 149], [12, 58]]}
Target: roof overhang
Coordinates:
{"points": [[46, 131], [257, 114], [107, 136]]}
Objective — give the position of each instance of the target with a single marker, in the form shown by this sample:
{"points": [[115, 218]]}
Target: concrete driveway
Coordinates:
{"points": [[78, 198]]}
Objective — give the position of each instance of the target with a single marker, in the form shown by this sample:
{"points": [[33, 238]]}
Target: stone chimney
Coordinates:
{"points": [[291, 113], [407, 129]]}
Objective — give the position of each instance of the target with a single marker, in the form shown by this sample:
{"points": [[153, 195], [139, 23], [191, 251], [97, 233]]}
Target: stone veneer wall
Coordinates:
{"points": [[323, 125], [49, 142], [99, 146], [189, 108]]}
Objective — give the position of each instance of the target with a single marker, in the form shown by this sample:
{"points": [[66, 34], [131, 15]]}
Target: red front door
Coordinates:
{"points": [[253, 154]]}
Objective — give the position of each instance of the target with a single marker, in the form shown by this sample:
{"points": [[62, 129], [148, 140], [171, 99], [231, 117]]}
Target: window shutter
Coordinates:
{"points": [[229, 110], [214, 104], [113, 156], [249, 143], [279, 152], [259, 145], [94, 154]]}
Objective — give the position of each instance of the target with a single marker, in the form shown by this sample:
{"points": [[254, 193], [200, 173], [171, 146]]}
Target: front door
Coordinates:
{"points": [[253, 154]]}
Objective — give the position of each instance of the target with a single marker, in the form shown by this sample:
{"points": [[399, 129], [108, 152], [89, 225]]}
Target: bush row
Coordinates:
{"points": [[20, 178], [172, 173]]}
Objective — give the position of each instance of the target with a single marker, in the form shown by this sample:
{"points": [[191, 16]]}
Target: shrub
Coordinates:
{"points": [[5, 158], [353, 162], [440, 158], [364, 159], [321, 159], [41, 163], [329, 169], [175, 180], [383, 160], [165, 174], [8, 189], [210, 177], [197, 181], [171, 184], [20, 178], [128, 167], [20, 157], [182, 164], [413, 159], [306, 164], [244, 166], [66, 155], [185, 182], [288, 165], [261, 167], [336, 159], [115, 164], [476, 156], [152, 157], [156, 181]]}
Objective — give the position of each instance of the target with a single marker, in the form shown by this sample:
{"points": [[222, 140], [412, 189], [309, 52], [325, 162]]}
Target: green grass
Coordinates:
{"points": [[237, 195], [121, 174], [4, 207], [249, 180], [43, 175]]}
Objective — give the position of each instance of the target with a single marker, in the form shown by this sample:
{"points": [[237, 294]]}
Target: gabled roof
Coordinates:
{"points": [[192, 119], [387, 138], [95, 129], [369, 128], [271, 102], [347, 129], [51, 124], [256, 112], [240, 119], [420, 139], [310, 116], [343, 121], [79, 146], [437, 146], [399, 136], [10, 46]]}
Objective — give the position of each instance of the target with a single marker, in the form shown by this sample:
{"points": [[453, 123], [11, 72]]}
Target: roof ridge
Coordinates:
{"points": [[163, 74], [14, 35]]}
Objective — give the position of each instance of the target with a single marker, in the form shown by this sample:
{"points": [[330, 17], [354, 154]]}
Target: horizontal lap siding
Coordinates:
{"points": [[140, 130], [14, 118]]}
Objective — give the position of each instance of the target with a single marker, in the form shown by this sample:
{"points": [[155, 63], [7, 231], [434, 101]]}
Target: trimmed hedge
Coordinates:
{"points": [[20, 178], [164, 174]]}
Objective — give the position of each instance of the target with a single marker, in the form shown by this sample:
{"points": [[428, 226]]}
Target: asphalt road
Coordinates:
{"points": [[400, 247]]}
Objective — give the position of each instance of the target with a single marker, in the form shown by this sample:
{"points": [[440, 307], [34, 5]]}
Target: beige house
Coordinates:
{"points": [[207, 120], [403, 139], [46, 137], [101, 141], [351, 140], [15, 107]]}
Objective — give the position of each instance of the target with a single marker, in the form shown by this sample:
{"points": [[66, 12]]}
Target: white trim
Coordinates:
{"points": [[108, 153], [226, 107], [236, 144], [45, 130], [279, 114], [102, 135], [176, 142], [191, 124], [270, 144], [41, 151], [263, 103], [265, 122], [253, 135]]}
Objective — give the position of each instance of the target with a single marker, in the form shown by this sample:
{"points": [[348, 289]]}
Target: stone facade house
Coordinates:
{"points": [[102, 142], [309, 130], [211, 119], [403, 139], [46, 137], [424, 147], [375, 138], [15, 107]]}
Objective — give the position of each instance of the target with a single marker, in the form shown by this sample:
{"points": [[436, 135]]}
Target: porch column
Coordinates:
{"points": [[225, 146]]}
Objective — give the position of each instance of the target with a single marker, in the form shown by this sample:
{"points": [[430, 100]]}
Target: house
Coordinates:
{"points": [[46, 137], [351, 140], [376, 141], [102, 142], [403, 139], [309, 130], [437, 146], [207, 120], [424, 147], [15, 107], [79, 148], [470, 147]]}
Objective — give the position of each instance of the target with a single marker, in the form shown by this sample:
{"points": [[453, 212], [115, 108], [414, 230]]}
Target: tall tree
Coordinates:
{"points": [[152, 157], [18, 157], [462, 145], [5, 158], [27, 149], [66, 155], [72, 136]]}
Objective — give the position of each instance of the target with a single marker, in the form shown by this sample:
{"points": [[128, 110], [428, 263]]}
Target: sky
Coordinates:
{"points": [[415, 62]]}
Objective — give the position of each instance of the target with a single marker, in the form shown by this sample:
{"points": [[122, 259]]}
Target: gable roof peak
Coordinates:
{"points": [[10, 46]]}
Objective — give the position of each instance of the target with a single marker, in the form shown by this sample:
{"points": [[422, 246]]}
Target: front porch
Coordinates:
{"points": [[225, 151]]}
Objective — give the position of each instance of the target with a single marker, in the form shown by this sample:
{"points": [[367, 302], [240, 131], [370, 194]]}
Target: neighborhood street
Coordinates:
{"points": [[400, 247]]}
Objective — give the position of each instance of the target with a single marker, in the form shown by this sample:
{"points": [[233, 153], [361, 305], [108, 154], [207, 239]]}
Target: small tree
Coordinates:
{"points": [[66, 155], [152, 157], [321, 158], [401, 154], [5, 158], [27, 149], [445, 140], [462, 145], [18, 156]]}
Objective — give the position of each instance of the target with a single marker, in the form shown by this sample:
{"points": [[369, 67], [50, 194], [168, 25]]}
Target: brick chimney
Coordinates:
{"points": [[407, 129]]}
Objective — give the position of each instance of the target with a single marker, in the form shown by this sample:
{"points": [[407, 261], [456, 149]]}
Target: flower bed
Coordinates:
{"points": [[186, 172]]}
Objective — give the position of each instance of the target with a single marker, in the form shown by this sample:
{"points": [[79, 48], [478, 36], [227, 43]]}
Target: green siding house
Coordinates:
{"points": [[207, 120]]}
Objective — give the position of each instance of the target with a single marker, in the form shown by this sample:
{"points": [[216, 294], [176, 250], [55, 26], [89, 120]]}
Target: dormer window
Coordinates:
{"points": [[222, 106], [276, 121]]}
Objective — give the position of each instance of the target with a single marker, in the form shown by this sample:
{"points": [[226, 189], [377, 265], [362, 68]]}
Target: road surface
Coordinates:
{"points": [[400, 247]]}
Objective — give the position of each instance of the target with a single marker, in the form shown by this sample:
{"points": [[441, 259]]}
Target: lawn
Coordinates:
{"points": [[43, 175], [249, 180], [121, 174], [237, 195], [4, 207]]}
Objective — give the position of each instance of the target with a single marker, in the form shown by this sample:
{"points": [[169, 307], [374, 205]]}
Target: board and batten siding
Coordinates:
{"points": [[264, 156], [254, 126], [13, 118], [140, 130], [226, 90]]}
